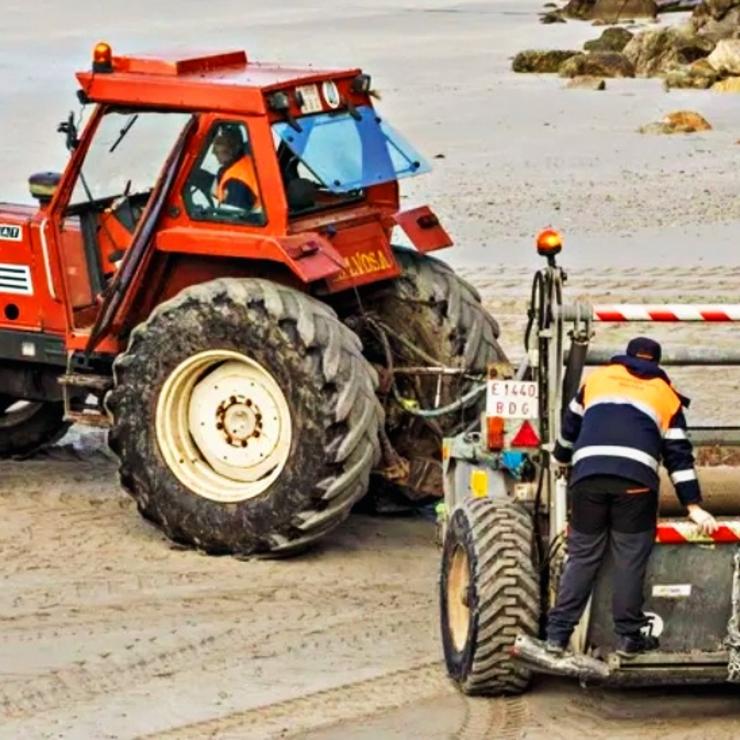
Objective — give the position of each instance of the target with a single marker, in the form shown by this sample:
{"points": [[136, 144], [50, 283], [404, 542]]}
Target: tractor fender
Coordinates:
{"points": [[308, 255], [423, 228]]}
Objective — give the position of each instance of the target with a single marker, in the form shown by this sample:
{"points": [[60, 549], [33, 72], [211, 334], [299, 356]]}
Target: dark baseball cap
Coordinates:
{"points": [[644, 348]]}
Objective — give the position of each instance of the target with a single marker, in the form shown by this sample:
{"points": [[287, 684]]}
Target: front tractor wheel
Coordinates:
{"points": [[245, 418], [489, 593]]}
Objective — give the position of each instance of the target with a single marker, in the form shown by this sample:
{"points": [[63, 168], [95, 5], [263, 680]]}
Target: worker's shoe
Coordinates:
{"points": [[556, 648], [628, 646]]}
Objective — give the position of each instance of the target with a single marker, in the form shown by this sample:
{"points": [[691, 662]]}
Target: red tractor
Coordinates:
{"points": [[213, 277]]}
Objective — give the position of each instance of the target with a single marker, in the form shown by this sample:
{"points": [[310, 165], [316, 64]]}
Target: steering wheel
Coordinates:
{"points": [[201, 180]]}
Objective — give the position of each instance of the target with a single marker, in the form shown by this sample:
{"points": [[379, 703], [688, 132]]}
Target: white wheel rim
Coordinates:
{"points": [[458, 589], [223, 426]]}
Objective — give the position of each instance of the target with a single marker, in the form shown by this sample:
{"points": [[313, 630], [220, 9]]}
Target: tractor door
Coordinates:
{"points": [[110, 194]]}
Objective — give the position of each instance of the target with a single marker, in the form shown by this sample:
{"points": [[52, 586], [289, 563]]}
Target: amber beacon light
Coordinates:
{"points": [[549, 243], [102, 58]]}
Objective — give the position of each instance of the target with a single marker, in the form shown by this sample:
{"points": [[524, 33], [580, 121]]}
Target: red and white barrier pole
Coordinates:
{"points": [[620, 312]]}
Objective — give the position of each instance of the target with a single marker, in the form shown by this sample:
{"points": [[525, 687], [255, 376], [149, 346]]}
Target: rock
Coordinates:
{"points": [[726, 27], [586, 83], [729, 85], [718, 9], [654, 52], [613, 39], [679, 122], [554, 16], [597, 64], [699, 76], [534, 60], [726, 57], [610, 10]]}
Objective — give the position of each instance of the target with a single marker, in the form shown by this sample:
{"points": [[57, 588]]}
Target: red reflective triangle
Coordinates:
{"points": [[526, 436]]}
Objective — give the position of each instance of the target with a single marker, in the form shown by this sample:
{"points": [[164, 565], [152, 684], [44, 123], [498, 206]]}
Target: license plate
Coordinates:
{"points": [[512, 399]]}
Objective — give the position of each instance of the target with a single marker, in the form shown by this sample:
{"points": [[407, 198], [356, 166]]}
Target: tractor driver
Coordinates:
{"points": [[625, 418], [236, 180]]}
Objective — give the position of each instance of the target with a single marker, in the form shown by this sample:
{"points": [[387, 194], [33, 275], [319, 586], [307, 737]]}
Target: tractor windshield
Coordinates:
{"points": [[126, 154], [347, 152]]}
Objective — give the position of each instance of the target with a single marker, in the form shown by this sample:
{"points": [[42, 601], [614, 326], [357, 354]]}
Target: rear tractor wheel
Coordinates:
{"points": [[489, 593], [427, 317], [28, 426], [245, 418]]}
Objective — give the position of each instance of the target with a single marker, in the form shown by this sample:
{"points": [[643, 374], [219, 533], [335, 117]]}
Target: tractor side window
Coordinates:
{"points": [[223, 185]]}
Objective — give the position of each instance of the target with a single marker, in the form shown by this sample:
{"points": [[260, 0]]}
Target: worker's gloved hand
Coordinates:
{"points": [[706, 523], [562, 470]]}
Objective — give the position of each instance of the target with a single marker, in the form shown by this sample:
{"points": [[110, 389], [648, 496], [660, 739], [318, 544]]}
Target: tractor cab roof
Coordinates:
{"points": [[194, 81]]}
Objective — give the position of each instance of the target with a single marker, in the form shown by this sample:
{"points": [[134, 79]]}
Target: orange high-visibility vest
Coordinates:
{"points": [[242, 170], [615, 384]]}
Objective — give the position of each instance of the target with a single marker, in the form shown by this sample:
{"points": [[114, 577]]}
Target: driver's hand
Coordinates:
{"points": [[705, 522], [202, 179]]}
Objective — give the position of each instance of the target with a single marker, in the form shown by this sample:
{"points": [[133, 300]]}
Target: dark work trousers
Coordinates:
{"points": [[606, 510]]}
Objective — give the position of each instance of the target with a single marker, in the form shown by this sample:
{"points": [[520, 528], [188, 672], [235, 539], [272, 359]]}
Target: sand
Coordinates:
{"points": [[108, 631]]}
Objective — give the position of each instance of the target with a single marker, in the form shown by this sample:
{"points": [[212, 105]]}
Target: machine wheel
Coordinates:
{"points": [[489, 593], [244, 417], [439, 313], [27, 426]]}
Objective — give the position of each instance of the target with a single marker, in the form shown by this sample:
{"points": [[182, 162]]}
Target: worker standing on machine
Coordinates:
{"points": [[625, 419]]}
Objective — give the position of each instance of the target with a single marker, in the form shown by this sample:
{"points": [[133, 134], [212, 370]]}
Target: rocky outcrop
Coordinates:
{"points": [[654, 52], [534, 60], [717, 19], [597, 64], [729, 85], [698, 76], [613, 39], [610, 10], [726, 57]]}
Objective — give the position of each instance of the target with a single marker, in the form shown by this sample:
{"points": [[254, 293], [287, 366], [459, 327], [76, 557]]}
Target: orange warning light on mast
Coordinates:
{"points": [[549, 242], [102, 58]]}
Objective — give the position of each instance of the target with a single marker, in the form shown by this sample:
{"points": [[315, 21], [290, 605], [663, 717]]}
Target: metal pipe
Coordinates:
{"points": [[429, 371], [720, 488], [703, 357], [711, 436]]}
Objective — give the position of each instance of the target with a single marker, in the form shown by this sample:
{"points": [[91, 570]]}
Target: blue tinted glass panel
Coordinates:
{"points": [[348, 153]]}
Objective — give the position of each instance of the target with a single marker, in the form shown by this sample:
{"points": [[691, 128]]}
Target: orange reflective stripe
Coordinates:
{"points": [[615, 384], [242, 170]]}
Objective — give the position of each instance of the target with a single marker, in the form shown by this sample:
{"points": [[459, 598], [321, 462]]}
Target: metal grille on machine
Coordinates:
{"points": [[15, 279]]}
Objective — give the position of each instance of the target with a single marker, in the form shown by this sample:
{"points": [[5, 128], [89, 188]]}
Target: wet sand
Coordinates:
{"points": [[109, 631]]}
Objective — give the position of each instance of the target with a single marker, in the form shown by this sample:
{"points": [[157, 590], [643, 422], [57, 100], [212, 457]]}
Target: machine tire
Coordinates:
{"points": [[488, 545], [442, 314], [28, 430], [328, 388]]}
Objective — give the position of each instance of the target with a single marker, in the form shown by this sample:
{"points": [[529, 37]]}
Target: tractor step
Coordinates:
{"points": [[531, 654], [88, 417], [96, 383]]}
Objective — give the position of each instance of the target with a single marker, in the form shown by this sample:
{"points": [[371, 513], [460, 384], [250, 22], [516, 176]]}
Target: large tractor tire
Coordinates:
{"points": [[433, 317], [28, 426], [489, 593], [244, 417]]}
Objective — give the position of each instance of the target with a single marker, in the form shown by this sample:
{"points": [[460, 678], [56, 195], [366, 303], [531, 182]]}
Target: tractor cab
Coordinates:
{"points": [[183, 153]]}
